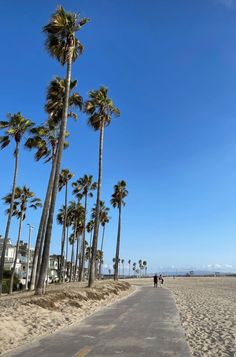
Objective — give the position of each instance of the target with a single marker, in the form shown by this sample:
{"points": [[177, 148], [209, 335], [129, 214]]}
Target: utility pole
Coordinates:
{"points": [[28, 257]]}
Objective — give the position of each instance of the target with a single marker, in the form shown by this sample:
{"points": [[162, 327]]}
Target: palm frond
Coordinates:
{"points": [[4, 141]]}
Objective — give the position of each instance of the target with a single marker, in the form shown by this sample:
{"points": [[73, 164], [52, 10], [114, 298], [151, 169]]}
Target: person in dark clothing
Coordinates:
{"points": [[155, 280]]}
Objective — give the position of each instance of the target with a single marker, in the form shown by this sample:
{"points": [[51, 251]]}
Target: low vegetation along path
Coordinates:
{"points": [[144, 324]]}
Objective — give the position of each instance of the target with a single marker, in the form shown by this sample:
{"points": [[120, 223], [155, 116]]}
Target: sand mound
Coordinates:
{"points": [[25, 316]]}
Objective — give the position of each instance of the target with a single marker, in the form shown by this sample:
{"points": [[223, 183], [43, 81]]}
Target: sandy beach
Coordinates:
{"points": [[25, 317], [207, 308]]}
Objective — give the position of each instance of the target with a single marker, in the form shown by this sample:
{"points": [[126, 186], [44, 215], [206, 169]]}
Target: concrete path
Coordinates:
{"points": [[145, 324]]}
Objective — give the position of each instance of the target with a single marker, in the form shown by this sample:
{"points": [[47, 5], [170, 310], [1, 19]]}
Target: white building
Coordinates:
{"points": [[9, 254]]}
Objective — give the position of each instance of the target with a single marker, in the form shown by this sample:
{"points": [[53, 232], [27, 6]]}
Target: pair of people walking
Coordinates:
{"points": [[155, 280]]}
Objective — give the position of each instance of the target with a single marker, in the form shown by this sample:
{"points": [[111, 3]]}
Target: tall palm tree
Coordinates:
{"points": [[70, 223], [104, 219], [113, 260], [87, 253], [79, 232], [123, 266], [140, 263], [99, 259], [117, 200], [72, 243], [84, 187], [15, 128], [23, 198], [65, 177], [89, 228], [60, 220], [71, 219], [118, 267], [129, 262], [63, 45], [45, 141], [76, 219], [100, 109], [145, 266]]}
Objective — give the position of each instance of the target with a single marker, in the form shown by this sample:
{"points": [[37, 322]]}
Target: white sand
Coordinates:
{"points": [[207, 308], [24, 317]]}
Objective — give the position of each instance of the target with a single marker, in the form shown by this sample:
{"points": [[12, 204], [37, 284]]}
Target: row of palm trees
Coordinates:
{"points": [[142, 266], [50, 139], [74, 216], [136, 270]]}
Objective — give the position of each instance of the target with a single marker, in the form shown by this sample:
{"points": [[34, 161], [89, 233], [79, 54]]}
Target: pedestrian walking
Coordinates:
{"points": [[161, 280], [155, 280]]}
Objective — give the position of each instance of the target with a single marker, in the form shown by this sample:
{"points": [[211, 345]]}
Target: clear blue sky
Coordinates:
{"points": [[171, 69]]}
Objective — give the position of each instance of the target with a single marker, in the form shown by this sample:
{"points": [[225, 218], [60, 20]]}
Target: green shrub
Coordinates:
{"points": [[7, 274], [6, 281]]}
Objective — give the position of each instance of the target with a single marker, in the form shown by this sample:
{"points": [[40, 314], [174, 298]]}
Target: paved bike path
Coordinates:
{"points": [[144, 324]]}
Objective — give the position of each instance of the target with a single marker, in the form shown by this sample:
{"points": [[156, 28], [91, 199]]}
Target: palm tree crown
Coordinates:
{"points": [[16, 127], [104, 216], [23, 196], [100, 108], [61, 41], [44, 139], [61, 216], [84, 186], [56, 96], [119, 194], [103, 213], [90, 226], [65, 177], [75, 214]]}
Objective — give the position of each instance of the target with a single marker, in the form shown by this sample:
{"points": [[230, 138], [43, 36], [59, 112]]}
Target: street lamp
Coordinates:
{"points": [[28, 256]]}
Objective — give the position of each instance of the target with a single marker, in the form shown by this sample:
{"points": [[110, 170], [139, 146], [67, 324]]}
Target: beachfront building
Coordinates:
{"points": [[53, 267], [21, 264], [9, 254], [22, 258]]}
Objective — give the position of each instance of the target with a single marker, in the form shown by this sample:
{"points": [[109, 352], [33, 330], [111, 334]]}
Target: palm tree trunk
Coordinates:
{"points": [[40, 251], [90, 246], [76, 258], [100, 265], [118, 246], [71, 260], [15, 259], [96, 227], [67, 244], [41, 231], [81, 271], [45, 256], [62, 265], [9, 216]]}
